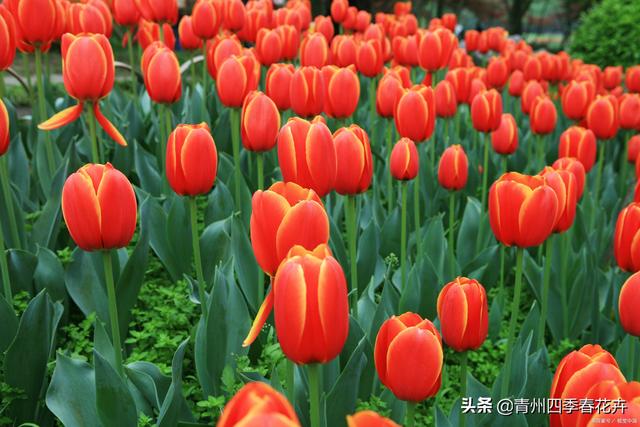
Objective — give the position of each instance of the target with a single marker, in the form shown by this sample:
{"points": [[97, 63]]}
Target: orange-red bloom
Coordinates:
{"points": [[565, 185], [307, 154], [628, 305], [290, 41], [626, 242], [446, 102], [580, 143], [99, 207], [192, 160], [159, 11], [205, 19], [220, 49], [453, 168], [126, 13], [93, 16], [7, 38], [402, 346], [306, 91], [324, 26], [342, 91], [277, 84], [464, 314], [405, 161], [504, 140], [632, 79], [188, 39], [389, 92], [339, 10], [415, 114], [471, 40], [612, 77], [576, 97], [161, 72], [603, 117], [343, 50], [369, 58], [574, 166], [543, 116], [314, 51], [633, 148], [237, 76], [369, 419], [4, 129], [461, 79], [486, 111], [630, 111], [233, 14], [260, 122], [531, 91], [523, 209], [354, 164], [257, 404], [149, 32], [497, 72], [36, 22], [269, 46]]}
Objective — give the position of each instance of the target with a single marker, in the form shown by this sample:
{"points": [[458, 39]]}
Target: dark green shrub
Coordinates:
{"points": [[609, 34]]}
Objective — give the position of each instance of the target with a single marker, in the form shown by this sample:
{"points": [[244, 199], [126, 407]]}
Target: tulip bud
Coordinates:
{"points": [[188, 39], [99, 207], [576, 98], [369, 419], [632, 79], [628, 305], [416, 113], [306, 91], [630, 111], [463, 313], [516, 83], [580, 143], [497, 72], [527, 198], [205, 19], [314, 51], [543, 116], [237, 76], [531, 91], [307, 155], [445, 97], [192, 160], [633, 148], [159, 11], [8, 38], [369, 58], [504, 140], [565, 186], [161, 72], [626, 244], [574, 166], [268, 46], [260, 122], [404, 161], [402, 345], [430, 52], [453, 168], [258, 404], [4, 129], [342, 91], [603, 117], [388, 94], [277, 84], [354, 163], [486, 111]]}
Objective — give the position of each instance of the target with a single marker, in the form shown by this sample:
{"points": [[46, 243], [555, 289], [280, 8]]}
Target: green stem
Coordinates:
{"points": [[446, 132], [452, 208], [4, 269], [432, 154], [8, 197], [314, 394], [410, 418], [389, 140], [595, 314], [113, 310], [2, 88], [416, 213], [632, 358], [234, 116], [624, 170], [27, 74], [403, 235], [91, 119], [541, 152], [515, 312], [544, 307], [42, 110], [463, 384], [197, 259], [596, 193], [350, 217], [260, 162], [291, 382], [168, 123], [504, 164], [485, 170], [502, 257], [160, 27], [134, 80], [372, 103], [204, 79], [564, 294]]}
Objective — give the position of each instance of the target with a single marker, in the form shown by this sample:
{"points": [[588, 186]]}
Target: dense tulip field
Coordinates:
{"points": [[250, 216]]}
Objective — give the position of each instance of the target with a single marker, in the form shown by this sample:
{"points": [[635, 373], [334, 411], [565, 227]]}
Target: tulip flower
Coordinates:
{"points": [[504, 140], [234, 15], [149, 32], [161, 72], [324, 26], [628, 306], [269, 46], [277, 84], [369, 419], [206, 19], [543, 116], [314, 51], [307, 154], [497, 72], [461, 79], [453, 168], [36, 22], [339, 10], [260, 123], [531, 91], [8, 40], [477, 86], [343, 50], [516, 83], [100, 210], [88, 74], [219, 50], [532, 69], [189, 41], [612, 77], [126, 13], [576, 98], [632, 79], [342, 91], [388, 93], [629, 111], [471, 40], [580, 143], [625, 244], [290, 41], [307, 91], [258, 404], [446, 102], [402, 345], [159, 11], [574, 166], [93, 16]]}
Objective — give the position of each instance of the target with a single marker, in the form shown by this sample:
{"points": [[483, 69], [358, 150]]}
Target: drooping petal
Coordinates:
{"points": [[62, 118]]}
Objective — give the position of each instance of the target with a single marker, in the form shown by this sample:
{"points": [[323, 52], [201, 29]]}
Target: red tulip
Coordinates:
{"points": [[461, 79], [574, 166], [628, 305], [543, 116], [445, 96], [416, 113], [205, 19], [192, 160], [159, 11], [91, 17], [565, 185], [36, 22], [532, 69], [277, 84], [307, 91], [339, 10], [290, 41], [324, 26], [633, 148], [531, 91], [603, 117], [626, 244], [504, 140], [497, 72], [268, 46], [8, 38], [257, 404], [188, 39], [369, 419], [369, 58], [576, 98], [612, 77], [430, 52], [486, 111], [523, 210], [630, 111], [580, 143], [449, 20], [632, 79], [4, 129], [343, 50], [516, 83], [234, 15], [149, 32], [260, 122], [126, 13], [307, 155], [402, 346], [404, 161], [354, 164], [471, 40], [314, 51], [219, 50], [477, 86], [463, 313], [99, 207], [388, 94], [237, 76], [342, 91], [161, 72], [453, 168]]}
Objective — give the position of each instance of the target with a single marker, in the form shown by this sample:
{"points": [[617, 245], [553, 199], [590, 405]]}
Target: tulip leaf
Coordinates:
{"points": [[245, 264], [171, 409], [368, 246], [147, 170], [9, 323], [220, 204], [49, 275], [22, 266], [113, 399], [441, 418], [72, 393], [465, 244], [215, 246], [47, 226], [85, 285]]}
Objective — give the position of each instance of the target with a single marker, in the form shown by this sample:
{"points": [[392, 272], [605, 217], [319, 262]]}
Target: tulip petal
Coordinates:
{"points": [[81, 211], [333, 305], [108, 127], [118, 207], [62, 118], [305, 224], [261, 318], [290, 309]]}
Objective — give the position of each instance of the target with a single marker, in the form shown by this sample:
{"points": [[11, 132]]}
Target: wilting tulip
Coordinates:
{"points": [[574, 166], [628, 305], [192, 160], [463, 313], [4, 129], [603, 117], [445, 97], [630, 111], [416, 114], [161, 72], [402, 345], [277, 84], [497, 72], [260, 122], [314, 51], [307, 155], [369, 419], [99, 207], [543, 116], [126, 13], [268, 46], [388, 93], [516, 83], [404, 161], [188, 39], [486, 111], [339, 10], [369, 58], [36, 22], [306, 91], [159, 11], [88, 74], [516, 206], [580, 143], [354, 163], [504, 140], [565, 186], [93, 16], [8, 38], [531, 91], [632, 79], [612, 77], [626, 244], [576, 98], [453, 168], [258, 404], [237, 76], [283, 216], [342, 91]]}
